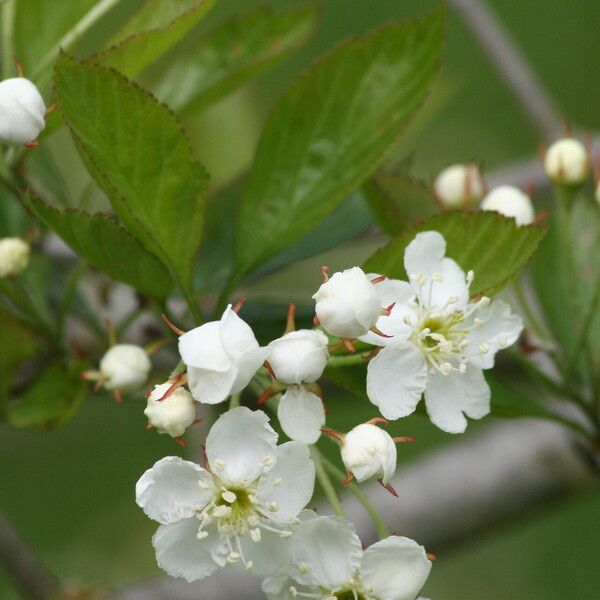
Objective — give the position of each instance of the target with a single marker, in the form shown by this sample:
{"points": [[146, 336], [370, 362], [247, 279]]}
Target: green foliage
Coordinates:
{"points": [[232, 54], [330, 130], [397, 201], [41, 24], [153, 29], [18, 343], [107, 246], [138, 154], [52, 399], [486, 242]]}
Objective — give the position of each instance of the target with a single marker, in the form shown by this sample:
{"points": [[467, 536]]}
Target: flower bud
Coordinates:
{"points": [[347, 304], [14, 256], [368, 451], [172, 415], [510, 202], [459, 186], [567, 162], [299, 356], [125, 367], [22, 111]]}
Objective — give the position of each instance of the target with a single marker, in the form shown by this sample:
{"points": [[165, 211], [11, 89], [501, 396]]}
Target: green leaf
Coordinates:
{"points": [[52, 400], [232, 54], [152, 30], [107, 246], [486, 242], [18, 343], [138, 154], [41, 24], [330, 130], [397, 201]]}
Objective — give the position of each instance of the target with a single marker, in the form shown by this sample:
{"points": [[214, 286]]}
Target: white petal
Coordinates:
{"points": [[180, 553], [500, 328], [202, 348], [269, 555], [170, 490], [392, 290], [237, 444], [448, 397], [277, 587], [246, 366], [394, 324], [425, 255], [301, 414], [396, 378], [211, 387], [396, 568], [326, 552], [291, 482], [236, 335]]}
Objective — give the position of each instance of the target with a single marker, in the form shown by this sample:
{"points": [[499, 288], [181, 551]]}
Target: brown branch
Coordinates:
{"points": [[30, 575], [512, 65]]}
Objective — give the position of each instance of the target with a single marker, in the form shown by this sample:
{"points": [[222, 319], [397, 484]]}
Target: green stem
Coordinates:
{"points": [[382, 530], [528, 311], [8, 22], [75, 34], [346, 360], [234, 401], [586, 326], [325, 482]]}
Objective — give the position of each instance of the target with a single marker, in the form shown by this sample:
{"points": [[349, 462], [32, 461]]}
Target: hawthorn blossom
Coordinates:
{"points": [[238, 509], [347, 304], [14, 256], [369, 451], [440, 341], [123, 368], [567, 162], [298, 359], [172, 412], [459, 186], [22, 111], [328, 563], [221, 357], [510, 202]]}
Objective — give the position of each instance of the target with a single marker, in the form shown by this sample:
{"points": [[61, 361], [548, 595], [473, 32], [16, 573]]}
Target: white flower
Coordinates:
{"points": [[22, 111], [124, 367], [441, 341], [172, 413], [14, 256], [237, 510], [368, 451], [301, 414], [299, 356], [221, 357], [328, 562], [567, 162], [347, 304], [459, 186], [510, 202]]}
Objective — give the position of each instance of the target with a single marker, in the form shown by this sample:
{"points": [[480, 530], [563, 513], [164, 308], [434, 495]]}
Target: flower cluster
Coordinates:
{"points": [[246, 505]]}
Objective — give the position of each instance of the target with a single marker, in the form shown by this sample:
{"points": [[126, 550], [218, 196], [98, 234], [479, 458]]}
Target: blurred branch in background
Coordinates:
{"points": [[30, 575], [512, 65], [445, 499]]}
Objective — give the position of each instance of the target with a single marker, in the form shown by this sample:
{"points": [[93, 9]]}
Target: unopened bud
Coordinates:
{"points": [[348, 305], [510, 202], [567, 162], [172, 413], [14, 256], [368, 451], [459, 186], [22, 111], [125, 367]]}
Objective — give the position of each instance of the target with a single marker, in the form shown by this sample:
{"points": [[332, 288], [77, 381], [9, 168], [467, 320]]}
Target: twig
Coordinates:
{"points": [[24, 568], [511, 64]]}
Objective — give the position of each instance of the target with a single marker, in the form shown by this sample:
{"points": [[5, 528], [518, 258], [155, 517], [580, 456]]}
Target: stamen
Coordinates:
{"points": [[304, 568], [255, 535], [484, 348], [222, 511], [229, 496], [276, 482]]}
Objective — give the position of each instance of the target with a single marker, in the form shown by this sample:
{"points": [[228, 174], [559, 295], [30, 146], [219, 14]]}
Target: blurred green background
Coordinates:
{"points": [[70, 492]]}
